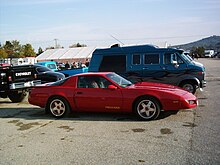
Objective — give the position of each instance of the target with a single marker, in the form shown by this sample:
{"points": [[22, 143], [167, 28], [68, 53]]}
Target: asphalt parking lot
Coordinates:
{"points": [[29, 136]]}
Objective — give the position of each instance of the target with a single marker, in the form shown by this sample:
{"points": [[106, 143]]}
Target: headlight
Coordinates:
{"points": [[191, 102]]}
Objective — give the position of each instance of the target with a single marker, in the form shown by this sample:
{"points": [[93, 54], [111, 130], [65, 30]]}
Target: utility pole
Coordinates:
{"points": [[56, 46]]}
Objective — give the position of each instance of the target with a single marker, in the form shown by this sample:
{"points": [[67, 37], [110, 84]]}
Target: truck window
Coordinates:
{"points": [[136, 59], [170, 57], [113, 64], [151, 59]]}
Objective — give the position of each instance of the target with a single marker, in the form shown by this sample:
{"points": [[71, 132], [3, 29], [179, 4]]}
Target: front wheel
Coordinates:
{"points": [[189, 86], [58, 107], [147, 108]]}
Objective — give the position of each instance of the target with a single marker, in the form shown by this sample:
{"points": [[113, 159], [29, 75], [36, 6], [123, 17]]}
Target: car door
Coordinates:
{"points": [[174, 68], [152, 68], [89, 98]]}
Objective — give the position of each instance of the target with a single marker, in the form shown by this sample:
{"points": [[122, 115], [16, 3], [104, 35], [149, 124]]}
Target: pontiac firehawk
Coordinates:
{"points": [[109, 92]]}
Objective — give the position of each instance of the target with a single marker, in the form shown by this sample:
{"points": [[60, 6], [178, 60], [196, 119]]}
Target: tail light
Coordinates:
{"points": [[200, 73], [9, 78]]}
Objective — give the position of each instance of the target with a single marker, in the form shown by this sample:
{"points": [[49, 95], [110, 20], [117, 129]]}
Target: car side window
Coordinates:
{"points": [[151, 59], [136, 59], [170, 57], [92, 82], [114, 63]]}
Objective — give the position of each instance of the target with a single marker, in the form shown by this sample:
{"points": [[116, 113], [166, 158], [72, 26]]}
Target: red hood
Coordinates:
{"points": [[158, 86]]}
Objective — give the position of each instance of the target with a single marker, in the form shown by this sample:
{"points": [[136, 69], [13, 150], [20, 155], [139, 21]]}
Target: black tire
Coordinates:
{"points": [[58, 107], [189, 86], [147, 108], [17, 96]]}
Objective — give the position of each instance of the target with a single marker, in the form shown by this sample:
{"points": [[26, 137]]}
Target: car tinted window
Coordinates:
{"points": [[170, 57], [136, 59], [42, 69], [113, 64], [51, 66], [92, 82], [151, 59]]}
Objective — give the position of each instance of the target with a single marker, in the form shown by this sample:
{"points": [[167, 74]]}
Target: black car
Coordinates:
{"points": [[16, 80], [47, 75]]}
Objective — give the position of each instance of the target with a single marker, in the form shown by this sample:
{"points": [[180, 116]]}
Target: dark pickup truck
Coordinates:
{"points": [[16, 80]]}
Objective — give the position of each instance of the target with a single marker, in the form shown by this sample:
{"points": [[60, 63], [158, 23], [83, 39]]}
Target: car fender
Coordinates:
{"points": [[189, 78], [155, 96], [67, 96]]}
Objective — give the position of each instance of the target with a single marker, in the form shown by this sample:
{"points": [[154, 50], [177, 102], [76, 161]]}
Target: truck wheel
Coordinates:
{"points": [[17, 96], [189, 86], [147, 108], [58, 107]]}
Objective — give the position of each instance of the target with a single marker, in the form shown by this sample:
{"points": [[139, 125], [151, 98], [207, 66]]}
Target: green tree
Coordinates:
{"points": [[16, 48], [77, 45], [8, 48], [197, 52], [12, 48], [3, 54], [40, 50], [51, 47], [27, 51]]}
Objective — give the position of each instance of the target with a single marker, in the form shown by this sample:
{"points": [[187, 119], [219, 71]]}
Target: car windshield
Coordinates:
{"points": [[52, 66], [185, 58], [122, 82]]}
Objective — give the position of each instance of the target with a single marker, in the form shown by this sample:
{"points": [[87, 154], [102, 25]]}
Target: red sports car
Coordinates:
{"points": [[109, 92]]}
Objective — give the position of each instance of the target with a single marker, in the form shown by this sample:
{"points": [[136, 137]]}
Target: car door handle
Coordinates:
{"points": [[145, 68], [79, 93]]}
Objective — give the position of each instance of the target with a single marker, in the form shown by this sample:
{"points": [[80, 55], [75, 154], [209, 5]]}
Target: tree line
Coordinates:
{"points": [[197, 52], [13, 49]]}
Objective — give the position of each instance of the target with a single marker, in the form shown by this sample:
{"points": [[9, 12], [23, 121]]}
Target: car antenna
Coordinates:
{"points": [[117, 39]]}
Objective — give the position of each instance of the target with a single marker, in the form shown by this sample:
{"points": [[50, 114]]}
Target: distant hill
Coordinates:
{"points": [[212, 42]]}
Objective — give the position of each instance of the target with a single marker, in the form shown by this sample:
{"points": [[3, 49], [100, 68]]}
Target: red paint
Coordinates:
{"points": [[114, 98]]}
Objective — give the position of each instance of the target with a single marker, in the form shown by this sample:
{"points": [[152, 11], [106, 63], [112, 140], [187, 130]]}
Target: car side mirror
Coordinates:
{"points": [[112, 87]]}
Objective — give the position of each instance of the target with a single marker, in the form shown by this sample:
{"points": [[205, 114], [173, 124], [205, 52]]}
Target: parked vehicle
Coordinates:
{"points": [[16, 80], [109, 92], [70, 72], [67, 72], [150, 64], [50, 64], [209, 53], [47, 75]]}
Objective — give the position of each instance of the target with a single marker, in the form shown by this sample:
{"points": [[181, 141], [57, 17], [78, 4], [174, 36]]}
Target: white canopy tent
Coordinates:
{"points": [[69, 54]]}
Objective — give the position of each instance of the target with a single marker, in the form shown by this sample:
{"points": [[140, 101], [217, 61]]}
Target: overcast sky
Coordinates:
{"points": [[102, 22]]}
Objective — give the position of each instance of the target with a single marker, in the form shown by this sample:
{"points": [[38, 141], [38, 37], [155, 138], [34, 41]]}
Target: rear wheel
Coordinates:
{"points": [[58, 107], [147, 108], [17, 96], [189, 86]]}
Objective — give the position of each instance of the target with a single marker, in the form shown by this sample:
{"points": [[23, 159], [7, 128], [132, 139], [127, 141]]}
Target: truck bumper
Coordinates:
{"points": [[203, 84], [24, 84]]}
